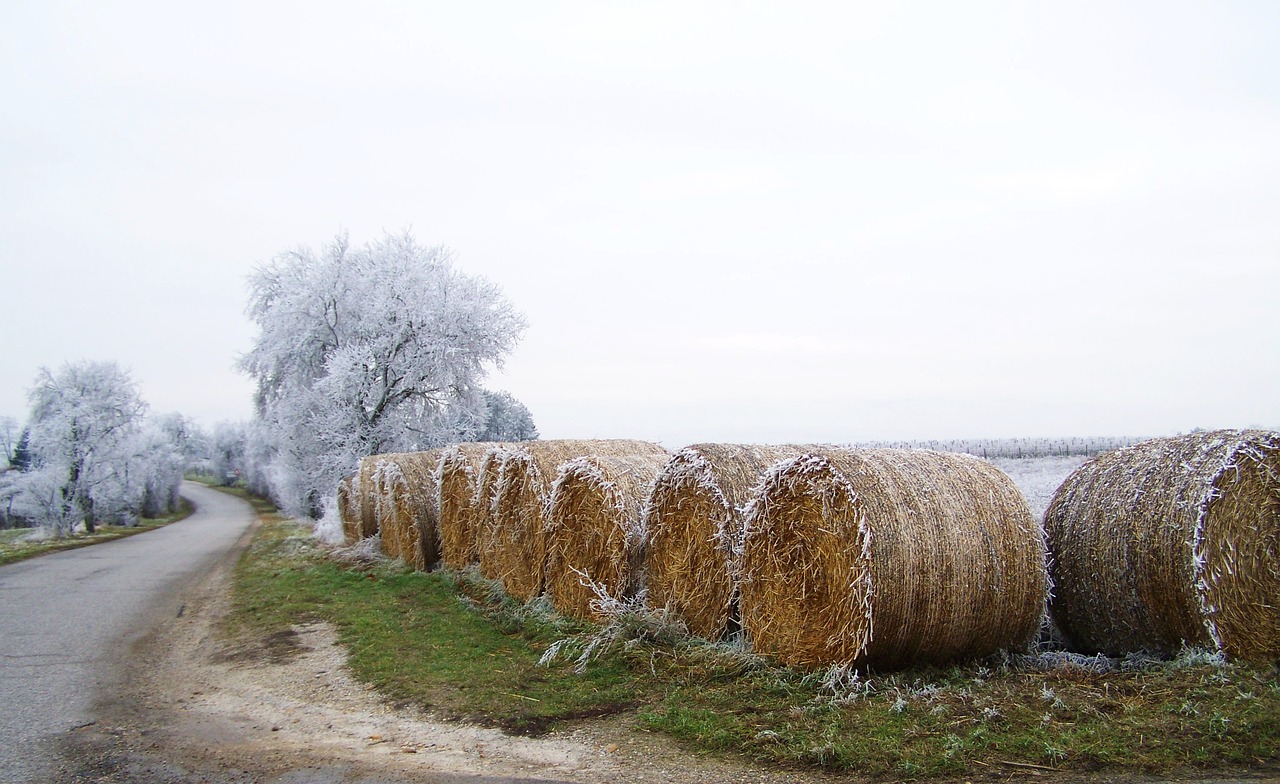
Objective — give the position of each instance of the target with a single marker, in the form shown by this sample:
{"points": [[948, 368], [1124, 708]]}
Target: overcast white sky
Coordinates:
{"points": [[734, 222]]}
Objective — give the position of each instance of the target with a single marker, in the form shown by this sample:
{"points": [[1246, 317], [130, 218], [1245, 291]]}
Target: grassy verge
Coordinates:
{"points": [[453, 644], [17, 544], [418, 639]]}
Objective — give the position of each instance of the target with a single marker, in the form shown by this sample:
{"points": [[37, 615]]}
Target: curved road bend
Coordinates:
{"points": [[67, 618]]}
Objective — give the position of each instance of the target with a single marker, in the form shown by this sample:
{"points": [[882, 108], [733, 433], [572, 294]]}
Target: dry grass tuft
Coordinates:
{"points": [[1169, 543], [884, 558], [593, 537], [693, 528], [516, 543]]}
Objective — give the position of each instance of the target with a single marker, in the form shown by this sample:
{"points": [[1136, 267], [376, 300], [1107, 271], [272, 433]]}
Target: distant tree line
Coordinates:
{"points": [[361, 350], [242, 453], [1016, 447], [90, 453]]}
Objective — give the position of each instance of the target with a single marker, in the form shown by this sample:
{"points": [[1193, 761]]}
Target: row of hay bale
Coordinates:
{"points": [[870, 557], [821, 554]]}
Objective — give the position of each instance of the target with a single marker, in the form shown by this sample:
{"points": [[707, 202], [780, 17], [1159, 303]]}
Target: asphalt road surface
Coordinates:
{"points": [[67, 620]]}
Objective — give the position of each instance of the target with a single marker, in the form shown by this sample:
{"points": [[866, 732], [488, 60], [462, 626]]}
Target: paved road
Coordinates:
{"points": [[67, 618]]}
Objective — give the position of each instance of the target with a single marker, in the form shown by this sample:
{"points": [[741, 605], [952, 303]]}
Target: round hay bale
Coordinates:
{"points": [[693, 529], [349, 509], [488, 472], [1169, 543], [408, 507], [459, 464], [367, 492], [884, 558], [594, 536], [516, 547]]}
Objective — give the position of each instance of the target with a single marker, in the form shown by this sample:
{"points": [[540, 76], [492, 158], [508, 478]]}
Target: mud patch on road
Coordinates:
{"points": [[280, 647]]}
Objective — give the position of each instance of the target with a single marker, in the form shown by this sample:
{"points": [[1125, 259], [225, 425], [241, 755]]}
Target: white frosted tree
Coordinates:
{"points": [[226, 451], [8, 439], [83, 421], [506, 419], [364, 350], [162, 451]]}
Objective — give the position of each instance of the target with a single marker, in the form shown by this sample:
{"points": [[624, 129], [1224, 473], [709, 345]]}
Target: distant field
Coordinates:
{"points": [[1039, 477], [1020, 448], [1038, 466]]}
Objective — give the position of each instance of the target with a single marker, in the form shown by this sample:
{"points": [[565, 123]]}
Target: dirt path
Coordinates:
{"points": [[200, 708]]}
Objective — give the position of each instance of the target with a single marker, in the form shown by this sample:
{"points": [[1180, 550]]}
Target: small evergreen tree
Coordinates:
{"points": [[21, 457]]}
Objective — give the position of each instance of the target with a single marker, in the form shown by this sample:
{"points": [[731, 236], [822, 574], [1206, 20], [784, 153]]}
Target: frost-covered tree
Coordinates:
{"points": [[365, 350], [226, 451], [165, 448], [83, 419], [17, 455], [9, 435], [507, 419]]}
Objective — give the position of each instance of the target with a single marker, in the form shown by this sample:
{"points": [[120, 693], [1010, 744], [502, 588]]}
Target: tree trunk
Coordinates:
{"points": [[86, 505]]}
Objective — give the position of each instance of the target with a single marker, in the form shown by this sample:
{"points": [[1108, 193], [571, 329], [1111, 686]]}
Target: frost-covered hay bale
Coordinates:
{"points": [[409, 507], [516, 553], [693, 528], [488, 473], [1171, 542], [459, 465], [885, 558], [367, 492], [349, 509], [594, 537]]}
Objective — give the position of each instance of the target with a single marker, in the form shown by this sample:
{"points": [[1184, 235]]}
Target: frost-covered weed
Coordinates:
{"points": [[328, 528], [364, 553], [1199, 657], [1050, 696], [842, 685], [1048, 661], [628, 623]]}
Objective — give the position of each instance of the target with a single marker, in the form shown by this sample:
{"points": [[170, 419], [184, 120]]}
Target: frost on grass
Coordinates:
{"points": [[364, 553]]}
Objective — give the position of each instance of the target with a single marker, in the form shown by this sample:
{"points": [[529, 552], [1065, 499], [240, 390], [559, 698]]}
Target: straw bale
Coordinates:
{"points": [[1169, 543], [594, 535], [693, 528], [349, 509], [488, 472], [459, 465], [367, 493], [515, 550], [408, 507], [884, 558]]}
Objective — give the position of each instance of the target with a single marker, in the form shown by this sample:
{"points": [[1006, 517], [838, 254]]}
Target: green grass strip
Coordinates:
{"points": [[16, 544]]}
